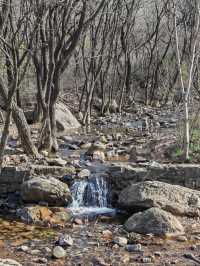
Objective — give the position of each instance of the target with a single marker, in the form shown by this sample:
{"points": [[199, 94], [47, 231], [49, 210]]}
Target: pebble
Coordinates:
{"points": [[103, 139], [107, 233], [182, 239], [134, 248], [65, 240], [41, 260], [121, 241], [59, 252], [23, 248], [86, 145], [99, 156], [147, 260], [47, 249], [194, 247], [157, 253], [35, 252], [78, 221], [115, 247]]}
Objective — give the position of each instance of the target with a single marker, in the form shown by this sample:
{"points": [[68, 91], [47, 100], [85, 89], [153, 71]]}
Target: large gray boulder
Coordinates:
{"points": [[49, 190], [154, 221], [175, 199], [65, 120]]}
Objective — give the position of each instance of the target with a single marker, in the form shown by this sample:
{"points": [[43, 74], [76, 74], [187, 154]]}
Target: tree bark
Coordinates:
{"points": [[24, 131], [21, 124]]}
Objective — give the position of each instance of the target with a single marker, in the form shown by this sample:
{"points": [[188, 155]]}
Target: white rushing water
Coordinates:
{"points": [[91, 197]]}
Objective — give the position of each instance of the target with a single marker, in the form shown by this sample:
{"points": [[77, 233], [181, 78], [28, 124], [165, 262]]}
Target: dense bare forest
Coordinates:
{"points": [[100, 117], [112, 52]]}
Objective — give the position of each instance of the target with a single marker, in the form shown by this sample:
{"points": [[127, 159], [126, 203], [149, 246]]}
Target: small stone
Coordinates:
{"points": [[41, 260], [23, 248], [134, 248], [115, 247], [157, 253], [118, 136], [99, 156], [193, 247], [146, 260], [134, 238], [65, 240], [78, 221], [56, 162], [47, 249], [85, 146], [121, 241], [126, 259], [84, 173], [182, 239], [109, 137], [107, 234], [99, 262], [103, 139], [197, 237], [35, 252], [44, 153], [58, 252]]}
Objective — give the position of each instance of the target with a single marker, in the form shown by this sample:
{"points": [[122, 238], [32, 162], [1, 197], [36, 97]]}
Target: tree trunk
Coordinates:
{"points": [[24, 131], [21, 123], [52, 110], [187, 129], [45, 140], [5, 134]]}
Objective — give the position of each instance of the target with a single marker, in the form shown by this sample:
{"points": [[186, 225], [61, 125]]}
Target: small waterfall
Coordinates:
{"points": [[78, 192], [91, 196], [93, 192]]}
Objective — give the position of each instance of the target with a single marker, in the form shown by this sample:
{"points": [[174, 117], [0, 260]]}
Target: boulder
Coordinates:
{"points": [[154, 221], [65, 121], [49, 190], [42, 214], [173, 198]]}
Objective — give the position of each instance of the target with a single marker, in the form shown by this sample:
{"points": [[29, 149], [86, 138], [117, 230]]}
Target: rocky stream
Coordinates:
{"points": [[114, 195]]}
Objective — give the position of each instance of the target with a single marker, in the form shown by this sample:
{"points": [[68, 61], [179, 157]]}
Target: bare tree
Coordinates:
{"points": [[186, 90]]}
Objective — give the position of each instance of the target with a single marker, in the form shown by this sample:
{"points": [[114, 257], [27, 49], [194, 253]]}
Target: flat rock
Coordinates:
{"points": [[154, 221], [9, 262], [56, 162], [49, 190], [172, 198]]}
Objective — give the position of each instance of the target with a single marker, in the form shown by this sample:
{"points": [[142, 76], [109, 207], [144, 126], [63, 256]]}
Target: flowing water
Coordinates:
{"points": [[91, 197]]}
